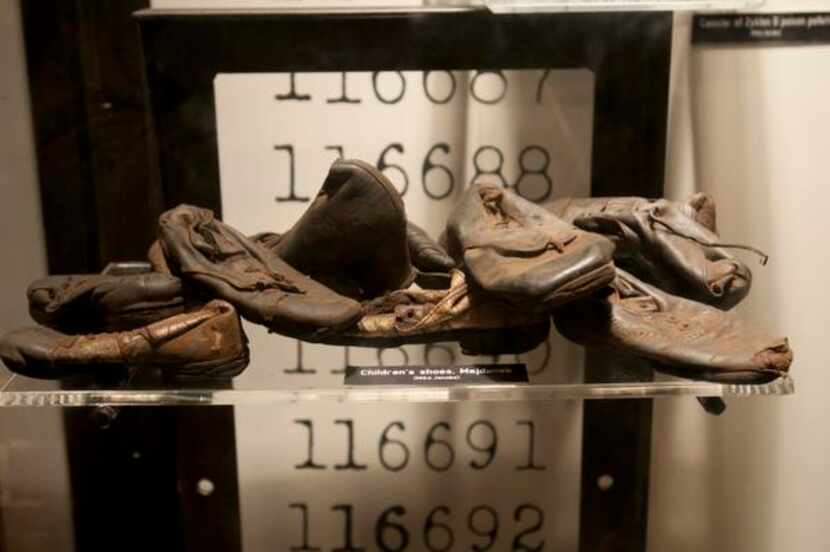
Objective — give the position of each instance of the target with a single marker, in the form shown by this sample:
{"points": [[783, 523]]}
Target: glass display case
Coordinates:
{"points": [[409, 275]]}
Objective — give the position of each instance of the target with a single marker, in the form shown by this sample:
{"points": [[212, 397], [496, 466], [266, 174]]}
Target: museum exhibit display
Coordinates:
{"points": [[413, 275], [524, 264]]}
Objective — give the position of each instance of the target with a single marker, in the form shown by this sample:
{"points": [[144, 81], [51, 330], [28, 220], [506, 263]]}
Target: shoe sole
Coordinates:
{"points": [[208, 369], [474, 342], [736, 377]]}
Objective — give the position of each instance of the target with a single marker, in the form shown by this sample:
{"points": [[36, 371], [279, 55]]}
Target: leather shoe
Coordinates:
{"points": [[524, 254], [681, 336], [265, 290], [353, 235], [101, 302], [668, 244], [205, 342]]}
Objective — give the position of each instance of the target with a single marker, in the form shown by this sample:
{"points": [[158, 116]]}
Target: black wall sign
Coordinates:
{"points": [[436, 375], [780, 28]]}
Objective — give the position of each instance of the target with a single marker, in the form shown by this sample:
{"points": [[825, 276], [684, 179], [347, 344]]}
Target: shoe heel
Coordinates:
{"points": [[520, 339]]}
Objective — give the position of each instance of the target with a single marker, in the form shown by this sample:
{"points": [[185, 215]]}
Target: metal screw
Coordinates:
{"points": [[104, 416], [605, 482], [205, 487]]}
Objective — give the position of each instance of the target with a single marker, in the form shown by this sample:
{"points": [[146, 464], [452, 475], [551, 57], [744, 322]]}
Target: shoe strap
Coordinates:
{"points": [[654, 219]]}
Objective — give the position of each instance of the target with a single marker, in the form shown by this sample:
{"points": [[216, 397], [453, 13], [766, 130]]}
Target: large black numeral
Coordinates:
{"points": [[348, 529], [300, 369], [384, 526], [496, 171], [309, 464], [445, 99], [383, 165], [292, 92], [491, 531], [494, 100], [350, 463], [530, 465], [394, 99], [541, 171], [431, 441], [385, 441], [431, 526], [430, 347], [488, 449], [346, 362], [518, 542], [401, 350], [292, 195], [344, 96], [429, 166], [304, 547]]}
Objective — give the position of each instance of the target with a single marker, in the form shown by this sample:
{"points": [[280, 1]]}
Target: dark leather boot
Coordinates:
{"points": [[524, 254], [669, 244], [353, 235], [265, 290], [681, 336], [100, 302], [205, 342], [481, 323]]}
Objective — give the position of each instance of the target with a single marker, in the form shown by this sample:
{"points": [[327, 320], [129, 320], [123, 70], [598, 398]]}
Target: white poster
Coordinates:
{"points": [[401, 476]]}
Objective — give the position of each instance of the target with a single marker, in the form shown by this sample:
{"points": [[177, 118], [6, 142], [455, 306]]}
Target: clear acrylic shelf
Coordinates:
{"points": [[17, 390], [519, 6], [310, 7]]}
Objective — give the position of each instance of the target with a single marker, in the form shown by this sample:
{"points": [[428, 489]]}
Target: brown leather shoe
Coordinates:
{"points": [[89, 303], [482, 324], [353, 235], [519, 251], [669, 244], [683, 337], [265, 290], [205, 342]]}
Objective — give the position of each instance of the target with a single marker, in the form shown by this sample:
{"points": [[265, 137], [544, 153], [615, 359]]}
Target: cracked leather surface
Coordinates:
{"points": [[683, 336]]}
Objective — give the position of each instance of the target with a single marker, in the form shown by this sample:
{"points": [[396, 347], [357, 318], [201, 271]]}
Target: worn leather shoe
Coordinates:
{"points": [[521, 252], [100, 302], [205, 342], [353, 235], [669, 244], [681, 336], [265, 290], [481, 323]]}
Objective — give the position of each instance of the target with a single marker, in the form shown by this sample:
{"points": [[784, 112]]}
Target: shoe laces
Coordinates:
{"points": [[655, 219]]}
